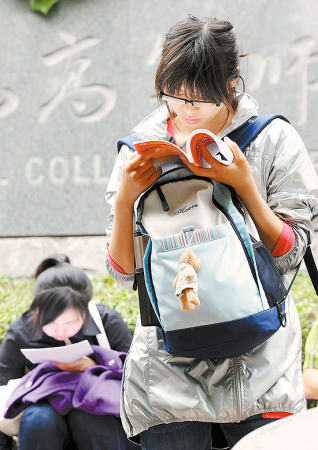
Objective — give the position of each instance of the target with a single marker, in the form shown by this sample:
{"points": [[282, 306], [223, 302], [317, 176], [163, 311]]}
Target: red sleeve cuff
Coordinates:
{"points": [[285, 242], [275, 415], [114, 265]]}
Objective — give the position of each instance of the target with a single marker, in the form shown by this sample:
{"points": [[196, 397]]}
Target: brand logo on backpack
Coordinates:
{"points": [[185, 209]]}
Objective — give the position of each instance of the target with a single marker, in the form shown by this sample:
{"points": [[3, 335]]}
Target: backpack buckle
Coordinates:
{"points": [[281, 314]]}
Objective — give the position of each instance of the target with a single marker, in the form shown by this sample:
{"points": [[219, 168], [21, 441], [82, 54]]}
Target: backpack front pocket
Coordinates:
{"points": [[226, 287]]}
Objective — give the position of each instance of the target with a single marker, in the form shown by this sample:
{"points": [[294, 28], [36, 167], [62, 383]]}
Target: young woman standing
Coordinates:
{"points": [[170, 402]]}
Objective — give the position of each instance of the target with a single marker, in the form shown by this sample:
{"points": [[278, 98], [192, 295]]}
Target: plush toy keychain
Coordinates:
{"points": [[186, 281]]}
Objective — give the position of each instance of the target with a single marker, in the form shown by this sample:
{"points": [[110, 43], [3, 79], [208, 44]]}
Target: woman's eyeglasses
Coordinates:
{"points": [[183, 101]]}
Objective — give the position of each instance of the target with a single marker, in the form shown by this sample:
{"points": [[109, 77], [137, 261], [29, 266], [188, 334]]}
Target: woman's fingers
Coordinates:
{"points": [[138, 174], [142, 171], [233, 146], [214, 162], [237, 174], [77, 366]]}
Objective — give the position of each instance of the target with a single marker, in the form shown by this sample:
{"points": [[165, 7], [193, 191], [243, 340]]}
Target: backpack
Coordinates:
{"points": [[237, 292]]}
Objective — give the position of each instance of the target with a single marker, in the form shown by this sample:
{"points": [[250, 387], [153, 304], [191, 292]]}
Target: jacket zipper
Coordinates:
{"points": [[237, 397]]}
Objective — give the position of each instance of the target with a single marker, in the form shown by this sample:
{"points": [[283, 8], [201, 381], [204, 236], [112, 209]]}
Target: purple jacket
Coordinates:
{"points": [[96, 390]]}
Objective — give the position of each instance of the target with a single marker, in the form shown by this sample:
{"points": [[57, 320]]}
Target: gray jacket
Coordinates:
{"points": [[160, 388]]}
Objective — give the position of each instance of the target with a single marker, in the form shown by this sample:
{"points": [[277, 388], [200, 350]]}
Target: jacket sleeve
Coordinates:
{"points": [[292, 189], [125, 280], [116, 329], [12, 361]]}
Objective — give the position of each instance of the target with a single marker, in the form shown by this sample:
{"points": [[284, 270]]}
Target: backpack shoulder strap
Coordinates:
{"points": [[249, 130], [243, 136], [311, 268], [101, 337], [129, 141]]}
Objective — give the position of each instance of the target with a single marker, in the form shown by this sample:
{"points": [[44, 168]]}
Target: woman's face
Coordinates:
{"points": [[64, 326], [195, 117]]}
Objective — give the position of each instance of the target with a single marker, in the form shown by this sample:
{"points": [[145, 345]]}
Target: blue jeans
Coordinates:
{"points": [[196, 435], [42, 428]]}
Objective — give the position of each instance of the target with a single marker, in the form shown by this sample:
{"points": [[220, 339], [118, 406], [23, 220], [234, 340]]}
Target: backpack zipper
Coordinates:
{"points": [[157, 187], [162, 197]]}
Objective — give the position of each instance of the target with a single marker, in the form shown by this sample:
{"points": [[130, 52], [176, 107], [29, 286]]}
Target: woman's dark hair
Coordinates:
{"points": [[56, 271], [58, 286], [51, 261], [51, 303], [200, 56]]}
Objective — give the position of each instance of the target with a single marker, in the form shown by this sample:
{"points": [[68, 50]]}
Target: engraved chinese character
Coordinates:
{"points": [[83, 98], [9, 104], [304, 57]]}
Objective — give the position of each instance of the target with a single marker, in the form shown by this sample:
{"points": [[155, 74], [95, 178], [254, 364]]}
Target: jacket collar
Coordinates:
{"points": [[154, 126], [91, 328]]}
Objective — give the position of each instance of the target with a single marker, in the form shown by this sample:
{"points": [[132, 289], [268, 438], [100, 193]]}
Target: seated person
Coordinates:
{"points": [[59, 315]]}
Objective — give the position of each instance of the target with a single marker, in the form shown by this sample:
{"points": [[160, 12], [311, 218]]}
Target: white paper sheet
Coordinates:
{"points": [[64, 354]]}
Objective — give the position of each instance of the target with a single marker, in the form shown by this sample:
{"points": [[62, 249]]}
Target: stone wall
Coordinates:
{"points": [[73, 82]]}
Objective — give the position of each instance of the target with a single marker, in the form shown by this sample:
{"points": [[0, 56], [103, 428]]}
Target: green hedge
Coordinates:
{"points": [[16, 295]]}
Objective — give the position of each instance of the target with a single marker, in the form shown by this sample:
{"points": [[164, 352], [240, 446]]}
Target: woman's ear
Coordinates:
{"points": [[233, 83]]}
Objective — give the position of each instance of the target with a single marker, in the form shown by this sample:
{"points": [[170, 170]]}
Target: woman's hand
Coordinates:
{"points": [[138, 174], [238, 174], [77, 366]]}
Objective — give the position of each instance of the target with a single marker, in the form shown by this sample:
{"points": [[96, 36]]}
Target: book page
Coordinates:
{"points": [[203, 142], [198, 144], [159, 149], [63, 354]]}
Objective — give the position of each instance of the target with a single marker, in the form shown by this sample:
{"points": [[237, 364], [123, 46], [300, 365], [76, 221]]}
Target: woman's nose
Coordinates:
{"points": [[60, 331], [189, 107]]}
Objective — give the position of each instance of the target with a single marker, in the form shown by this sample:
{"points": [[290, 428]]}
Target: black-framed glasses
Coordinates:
{"points": [[183, 101]]}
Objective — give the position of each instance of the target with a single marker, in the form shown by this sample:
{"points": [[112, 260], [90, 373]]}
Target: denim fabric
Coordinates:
{"points": [[197, 435], [42, 428], [236, 431], [177, 436]]}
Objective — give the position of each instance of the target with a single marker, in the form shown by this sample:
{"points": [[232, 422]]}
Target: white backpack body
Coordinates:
{"points": [[180, 212]]}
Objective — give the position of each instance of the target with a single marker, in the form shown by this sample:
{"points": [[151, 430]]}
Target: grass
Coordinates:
{"points": [[16, 295]]}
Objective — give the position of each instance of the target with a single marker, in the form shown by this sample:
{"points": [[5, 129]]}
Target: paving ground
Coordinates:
{"points": [[20, 256]]}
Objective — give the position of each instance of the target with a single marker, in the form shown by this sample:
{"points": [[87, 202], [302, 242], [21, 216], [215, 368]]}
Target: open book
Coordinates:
{"points": [[197, 142]]}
